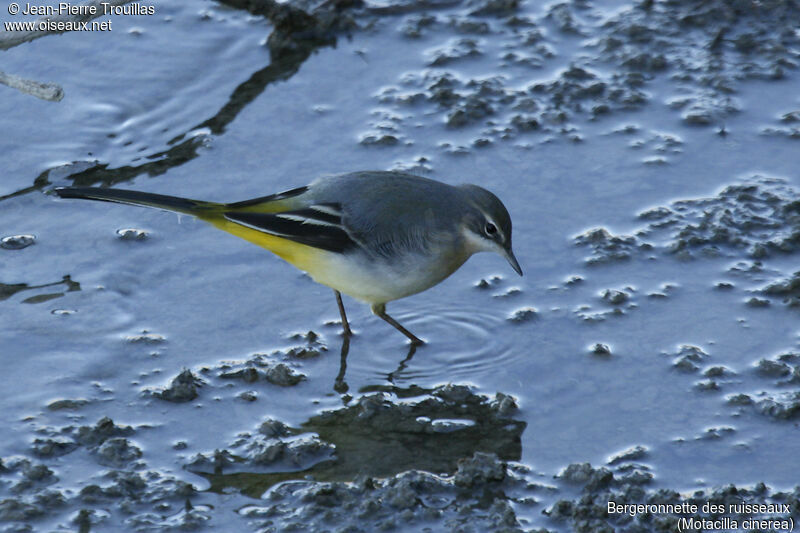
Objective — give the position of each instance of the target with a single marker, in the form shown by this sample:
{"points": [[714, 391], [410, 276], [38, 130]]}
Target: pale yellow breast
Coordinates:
{"points": [[372, 281]]}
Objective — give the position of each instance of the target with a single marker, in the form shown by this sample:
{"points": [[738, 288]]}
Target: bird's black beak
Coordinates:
{"points": [[509, 255]]}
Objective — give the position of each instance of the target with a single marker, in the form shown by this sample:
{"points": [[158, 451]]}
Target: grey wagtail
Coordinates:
{"points": [[376, 236]]}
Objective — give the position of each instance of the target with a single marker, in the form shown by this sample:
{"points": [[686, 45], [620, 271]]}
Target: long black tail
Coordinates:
{"points": [[146, 199]]}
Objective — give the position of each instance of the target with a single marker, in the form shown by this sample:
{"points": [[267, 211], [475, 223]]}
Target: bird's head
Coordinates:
{"points": [[487, 228]]}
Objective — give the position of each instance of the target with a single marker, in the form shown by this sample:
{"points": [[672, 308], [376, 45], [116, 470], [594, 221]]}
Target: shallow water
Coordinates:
{"points": [[186, 296]]}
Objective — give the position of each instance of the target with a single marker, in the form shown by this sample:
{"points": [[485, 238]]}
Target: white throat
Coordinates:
{"points": [[475, 243]]}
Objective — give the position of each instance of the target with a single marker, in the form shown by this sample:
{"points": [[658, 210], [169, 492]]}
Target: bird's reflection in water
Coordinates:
{"points": [[412, 349], [341, 386]]}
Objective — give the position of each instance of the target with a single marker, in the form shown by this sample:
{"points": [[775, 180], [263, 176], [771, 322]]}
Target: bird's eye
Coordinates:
{"points": [[490, 229]]}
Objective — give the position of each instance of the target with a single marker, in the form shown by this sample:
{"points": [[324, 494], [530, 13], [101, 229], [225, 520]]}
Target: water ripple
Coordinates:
{"points": [[461, 345]]}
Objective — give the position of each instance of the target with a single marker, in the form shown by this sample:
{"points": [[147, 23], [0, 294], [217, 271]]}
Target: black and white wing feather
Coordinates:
{"points": [[318, 225]]}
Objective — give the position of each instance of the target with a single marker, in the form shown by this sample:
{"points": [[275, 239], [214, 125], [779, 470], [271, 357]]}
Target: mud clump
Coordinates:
{"points": [[311, 346], [790, 126], [146, 337], [779, 401], [67, 404], [608, 248], [495, 8], [449, 423], [689, 358], [600, 350], [788, 289], [132, 234], [30, 476], [117, 452], [626, 482], [757, 302], [65, 440], [263, 368], [615, 302], [53, 447], [279, 367], [283, 376], [183, 388], [376, 436], [746, 41], [780, 406], [523, 315], [769, 368], [454, 51], [471, 498], [17, 242], [32, 491], [378, 139], [642, 42], [616, 297], [782, 400], [760, 217]]}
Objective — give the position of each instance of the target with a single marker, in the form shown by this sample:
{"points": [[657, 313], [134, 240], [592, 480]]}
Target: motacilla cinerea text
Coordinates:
{"points": [[376, 236]]}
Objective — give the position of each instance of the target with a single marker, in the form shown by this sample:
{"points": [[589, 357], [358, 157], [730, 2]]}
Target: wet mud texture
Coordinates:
{"points": [[703, 49], [626, 480], [449, 430], [374, 435], [33, 492], [755, 222], [759, 218]]}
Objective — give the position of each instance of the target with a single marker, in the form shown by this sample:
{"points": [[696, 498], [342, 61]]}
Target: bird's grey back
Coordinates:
{"points": [[389, 210]]}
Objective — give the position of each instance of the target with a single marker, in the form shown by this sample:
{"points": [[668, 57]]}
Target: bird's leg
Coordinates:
{"points": [[380, 310], [345, 325]]}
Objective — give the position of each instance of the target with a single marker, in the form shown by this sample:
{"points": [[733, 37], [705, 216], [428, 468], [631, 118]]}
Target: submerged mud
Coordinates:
{"points": [[376, 435]]}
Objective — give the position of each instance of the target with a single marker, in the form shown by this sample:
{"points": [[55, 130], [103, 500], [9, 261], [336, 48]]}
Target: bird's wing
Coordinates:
{"points": [[316, 225]]}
